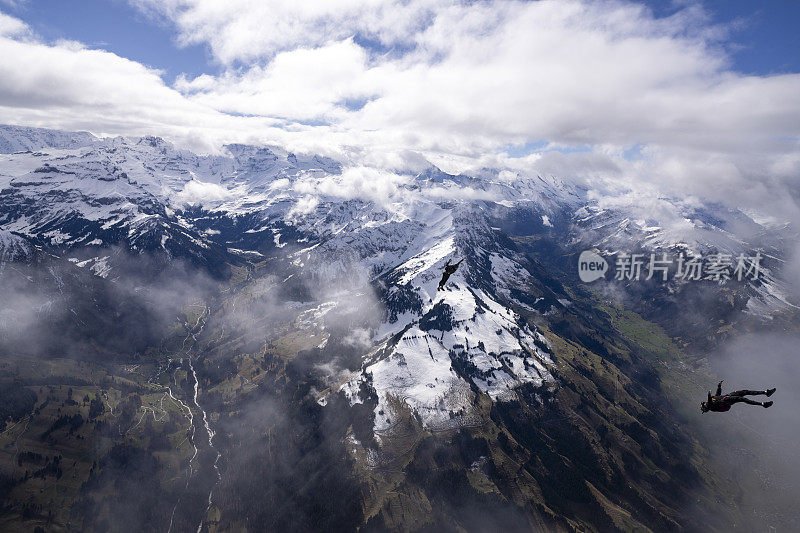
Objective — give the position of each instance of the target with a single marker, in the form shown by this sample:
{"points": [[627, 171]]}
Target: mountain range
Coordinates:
{"points": [[254, 339]]}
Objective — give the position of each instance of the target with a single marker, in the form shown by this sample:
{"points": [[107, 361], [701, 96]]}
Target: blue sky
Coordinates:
{"points": [[763, 40], [116, 26]]}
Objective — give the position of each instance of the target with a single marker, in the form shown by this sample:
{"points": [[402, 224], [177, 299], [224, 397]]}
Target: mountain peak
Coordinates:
{"points": [[25, 138]]}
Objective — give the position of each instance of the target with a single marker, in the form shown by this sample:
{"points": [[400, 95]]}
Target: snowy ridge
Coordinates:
{"points": [[20, 138], [433, 355], [429, 371]]}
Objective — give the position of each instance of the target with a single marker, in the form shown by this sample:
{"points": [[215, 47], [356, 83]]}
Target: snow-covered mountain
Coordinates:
{"points": [[70, 193], [63, 190], [338, 226], [324, 298], [20, 138]]}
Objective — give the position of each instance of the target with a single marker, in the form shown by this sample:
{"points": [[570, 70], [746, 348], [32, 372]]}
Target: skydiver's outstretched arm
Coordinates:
{"points": [[719, 387]]}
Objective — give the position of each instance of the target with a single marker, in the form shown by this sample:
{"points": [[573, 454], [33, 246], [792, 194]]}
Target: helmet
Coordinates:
{"points": [[704, 407]]}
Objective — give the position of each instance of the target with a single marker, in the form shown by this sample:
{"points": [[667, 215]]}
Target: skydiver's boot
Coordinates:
{"points": [[771, 391], [767, 404]]}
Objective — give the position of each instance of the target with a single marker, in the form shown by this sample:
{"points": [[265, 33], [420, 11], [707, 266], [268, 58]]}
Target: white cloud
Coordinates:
{"points": [[367, 183], [245, 30], [279, 184], [66, 85], [12, 27], [304, 206], [641, 99], [203, 192], [302, 84], [358, 337]]}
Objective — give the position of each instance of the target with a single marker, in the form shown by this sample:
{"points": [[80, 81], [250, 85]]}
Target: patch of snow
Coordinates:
{"points": [[245, 252], [101, 267]]}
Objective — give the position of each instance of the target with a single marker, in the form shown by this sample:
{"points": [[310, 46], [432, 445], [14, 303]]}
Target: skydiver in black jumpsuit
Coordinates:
{"points": [[448, 271], [722, 402]]}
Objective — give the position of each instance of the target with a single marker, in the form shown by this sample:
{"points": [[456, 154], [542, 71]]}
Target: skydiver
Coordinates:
{"points": [[448, 271], [721, 403]]}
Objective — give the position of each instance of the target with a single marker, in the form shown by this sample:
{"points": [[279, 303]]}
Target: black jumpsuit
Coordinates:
{"points": [[723, 402], [448, 271]]}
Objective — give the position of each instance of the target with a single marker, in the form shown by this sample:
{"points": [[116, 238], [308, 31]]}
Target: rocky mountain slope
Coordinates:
{"points": [[262, 333]]}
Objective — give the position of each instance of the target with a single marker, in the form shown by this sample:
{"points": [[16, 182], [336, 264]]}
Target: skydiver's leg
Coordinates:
{"points": [[743, 399], [747, 392], [736, 399]]}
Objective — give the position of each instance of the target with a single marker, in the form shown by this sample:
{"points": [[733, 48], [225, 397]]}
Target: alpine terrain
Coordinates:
{"points": [[254, 340]]}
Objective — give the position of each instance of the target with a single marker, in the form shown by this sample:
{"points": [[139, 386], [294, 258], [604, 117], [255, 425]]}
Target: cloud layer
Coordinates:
{"points": [[598, 91]]}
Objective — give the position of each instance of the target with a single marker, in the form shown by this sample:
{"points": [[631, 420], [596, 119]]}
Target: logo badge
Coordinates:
{"points": [[591, 266]]}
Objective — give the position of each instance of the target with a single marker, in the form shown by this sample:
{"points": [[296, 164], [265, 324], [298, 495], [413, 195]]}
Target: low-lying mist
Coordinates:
{"points": [[757, 449], [54, 308]]}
